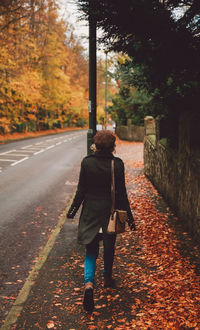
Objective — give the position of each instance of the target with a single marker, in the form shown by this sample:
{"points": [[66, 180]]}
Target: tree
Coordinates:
{"points": [[104, 90], [43, 71], [128, 103], [162, 41]]}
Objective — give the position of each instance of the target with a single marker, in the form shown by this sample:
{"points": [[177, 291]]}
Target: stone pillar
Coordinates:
{"points": [[149, 125], [129, 122]]}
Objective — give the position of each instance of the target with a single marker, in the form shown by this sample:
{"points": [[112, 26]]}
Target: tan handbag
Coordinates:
{"points": [[118, 218]]}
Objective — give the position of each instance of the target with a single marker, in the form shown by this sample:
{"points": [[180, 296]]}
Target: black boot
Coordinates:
{"points": [[88, 300], [109, 282]]}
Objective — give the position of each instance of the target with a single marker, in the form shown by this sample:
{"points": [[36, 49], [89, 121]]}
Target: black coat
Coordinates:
{"points": [[94, 191]]}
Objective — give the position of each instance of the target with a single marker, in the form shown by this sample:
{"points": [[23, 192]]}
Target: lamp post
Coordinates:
{"points": [[106, 88], [92, 79]]}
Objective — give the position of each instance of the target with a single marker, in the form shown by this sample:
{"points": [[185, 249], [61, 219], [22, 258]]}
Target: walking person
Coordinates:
{"points": [[94, 191]]}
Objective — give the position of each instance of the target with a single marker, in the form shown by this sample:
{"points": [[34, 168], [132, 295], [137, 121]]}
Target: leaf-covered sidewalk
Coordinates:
{"points": [[156, 268]]}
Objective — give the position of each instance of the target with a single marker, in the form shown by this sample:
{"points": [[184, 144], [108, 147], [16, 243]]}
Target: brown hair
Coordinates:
{"points": [[104, 140]]}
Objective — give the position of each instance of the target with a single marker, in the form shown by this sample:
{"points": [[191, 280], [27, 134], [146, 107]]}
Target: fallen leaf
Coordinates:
{"points": [[50, 325]]}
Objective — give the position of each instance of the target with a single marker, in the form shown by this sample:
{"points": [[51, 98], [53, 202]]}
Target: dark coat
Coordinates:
{"points": [[94, 191]]}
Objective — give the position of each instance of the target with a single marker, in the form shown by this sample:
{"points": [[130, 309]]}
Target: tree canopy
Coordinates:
{"points": [[162, 40], [43, 69]]}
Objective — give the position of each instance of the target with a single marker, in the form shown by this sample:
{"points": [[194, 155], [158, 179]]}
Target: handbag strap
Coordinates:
{"points": [[112, 186]]}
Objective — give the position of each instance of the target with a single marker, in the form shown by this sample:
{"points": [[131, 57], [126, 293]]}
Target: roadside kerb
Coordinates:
{"points": [[30, 281]]}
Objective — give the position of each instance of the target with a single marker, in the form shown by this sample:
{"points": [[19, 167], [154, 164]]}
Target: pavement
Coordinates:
{"points": [[156, 269]]}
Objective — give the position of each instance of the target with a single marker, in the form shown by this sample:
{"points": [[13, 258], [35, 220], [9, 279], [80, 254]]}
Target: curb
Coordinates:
{"points": [[30, 281], [2, 142]]}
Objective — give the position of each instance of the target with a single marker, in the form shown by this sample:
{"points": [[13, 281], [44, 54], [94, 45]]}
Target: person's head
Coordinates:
{"points": [[104, 140]]}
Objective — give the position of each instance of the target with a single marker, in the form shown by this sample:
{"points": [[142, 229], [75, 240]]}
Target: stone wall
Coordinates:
{"points": [[130, 132], [176, 174]]}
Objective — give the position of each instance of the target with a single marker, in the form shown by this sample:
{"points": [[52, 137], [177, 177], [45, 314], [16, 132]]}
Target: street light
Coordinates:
{"points": [[106, 85]]}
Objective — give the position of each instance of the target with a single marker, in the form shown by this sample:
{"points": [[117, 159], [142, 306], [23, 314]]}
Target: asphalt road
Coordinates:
{"points": [[37, 179]]}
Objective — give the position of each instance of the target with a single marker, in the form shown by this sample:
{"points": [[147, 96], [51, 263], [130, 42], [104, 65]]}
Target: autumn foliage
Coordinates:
{"points": [[156, 269], [43, 72]]}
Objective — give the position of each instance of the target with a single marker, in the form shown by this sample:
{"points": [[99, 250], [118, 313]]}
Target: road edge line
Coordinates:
{"points": [[18, 305]]}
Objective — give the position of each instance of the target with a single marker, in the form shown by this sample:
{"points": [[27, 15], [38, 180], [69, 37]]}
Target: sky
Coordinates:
{"points": [[69, 10]]}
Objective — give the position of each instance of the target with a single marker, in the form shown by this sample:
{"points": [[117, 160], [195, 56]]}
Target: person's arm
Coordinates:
{"points": [[122, 195], [79, 196]]}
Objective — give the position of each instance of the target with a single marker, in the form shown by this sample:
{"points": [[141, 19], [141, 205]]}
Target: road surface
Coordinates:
{"points": [[37, 179]]}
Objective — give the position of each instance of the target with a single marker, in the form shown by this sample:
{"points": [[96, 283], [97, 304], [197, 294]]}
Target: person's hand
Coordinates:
{"points": [[71, 213], [132, 226]]}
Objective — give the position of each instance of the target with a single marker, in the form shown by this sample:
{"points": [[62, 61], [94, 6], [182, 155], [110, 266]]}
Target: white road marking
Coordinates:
{"points": [[32, 151], [50, 147], [23, 155], [38, 152], [7, 152], [48, 140], [19, 161], [32, 148], [30, 145], [7, 160], [44, 145]]}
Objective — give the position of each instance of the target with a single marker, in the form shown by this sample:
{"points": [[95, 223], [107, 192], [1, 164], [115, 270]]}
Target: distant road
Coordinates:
{"points": [[37, 178]]}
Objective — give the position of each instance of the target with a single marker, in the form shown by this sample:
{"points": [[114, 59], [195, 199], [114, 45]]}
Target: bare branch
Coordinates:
{"points": [[13, 21]]}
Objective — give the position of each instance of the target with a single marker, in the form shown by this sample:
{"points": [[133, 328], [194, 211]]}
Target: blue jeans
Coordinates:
{"points": [[92, 252]]}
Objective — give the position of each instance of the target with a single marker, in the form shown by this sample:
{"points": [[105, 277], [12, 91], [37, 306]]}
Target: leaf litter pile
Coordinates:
{"points": [[156, 269]]}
